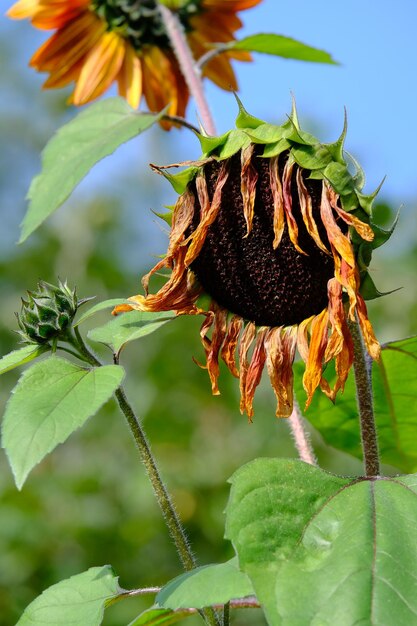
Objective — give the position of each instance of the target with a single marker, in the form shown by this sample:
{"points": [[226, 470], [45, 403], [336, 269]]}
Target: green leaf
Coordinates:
{"points": [[321, 549], [51, 400], [92, 135], [20, 357], [160, 617], [394, 382], [100, 306], [128, 327], [78, 601], [281, 46], [205, 586]]}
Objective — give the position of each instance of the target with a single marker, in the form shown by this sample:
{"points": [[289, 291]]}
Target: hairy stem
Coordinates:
{"points": [[188, 66], [164, 499], [362, 369], [300, 436]]}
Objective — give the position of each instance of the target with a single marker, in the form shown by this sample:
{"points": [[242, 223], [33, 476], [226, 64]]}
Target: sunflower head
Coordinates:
{"points": [[274, 226], [47, 313]]}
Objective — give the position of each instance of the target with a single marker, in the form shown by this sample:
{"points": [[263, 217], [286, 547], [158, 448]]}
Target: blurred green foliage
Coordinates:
{"points": [[89, 503]]}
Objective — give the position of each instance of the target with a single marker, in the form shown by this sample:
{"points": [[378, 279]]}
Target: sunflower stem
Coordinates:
{"points": [[362, 369], [301, 439], [173, 522], [188, 67]]}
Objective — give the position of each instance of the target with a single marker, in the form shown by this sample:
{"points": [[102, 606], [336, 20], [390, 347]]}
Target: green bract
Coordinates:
{"points": [[47, 313]]}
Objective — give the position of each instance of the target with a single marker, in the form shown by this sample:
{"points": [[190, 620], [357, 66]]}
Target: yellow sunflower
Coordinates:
{"points": [[99, 42], [273, 227]]}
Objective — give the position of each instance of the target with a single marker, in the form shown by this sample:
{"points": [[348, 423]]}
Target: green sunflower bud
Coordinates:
{"points": [[47, 313]]}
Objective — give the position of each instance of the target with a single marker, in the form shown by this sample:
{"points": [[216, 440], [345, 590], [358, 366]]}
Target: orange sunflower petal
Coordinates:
{"points": [[161, 83], [248, 178], [100, 69], [371, 342], [212, 347], [129, 79], [230, 5], [64, 50], [338, 240], [23, 9], [306, 206], [318, 342], [286, 192], [278, 198], [182, 218], [254, 372], [208, 217], [230, 344], [246, 340], [280, 345]]}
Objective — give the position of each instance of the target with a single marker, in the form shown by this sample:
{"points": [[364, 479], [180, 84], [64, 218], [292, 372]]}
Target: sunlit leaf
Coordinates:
{"points": [[394, 382], [321, 549], [20, 357], [281, 46], [78, 601], [204, 586], [52, 399], [92, 135], [128, 327]]}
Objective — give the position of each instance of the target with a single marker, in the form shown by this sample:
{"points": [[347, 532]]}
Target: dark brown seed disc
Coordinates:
{"points": [[246, 275]]}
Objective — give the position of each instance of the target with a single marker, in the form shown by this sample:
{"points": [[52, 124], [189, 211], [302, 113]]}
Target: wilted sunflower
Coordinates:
{"points": [[273, 227], [98, 42]]}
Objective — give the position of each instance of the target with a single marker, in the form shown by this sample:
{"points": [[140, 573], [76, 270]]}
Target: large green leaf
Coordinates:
{"points": [[281, 46], [128, 327], [52, 399], [394, 382], [205, 586], [160, 617], [92, 135], [20, 357], [78, 601], [321, 549]]}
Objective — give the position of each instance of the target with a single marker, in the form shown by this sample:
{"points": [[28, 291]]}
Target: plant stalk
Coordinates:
{"points": [[188, 66], [300, 436], [175, 528], [362, 368]]}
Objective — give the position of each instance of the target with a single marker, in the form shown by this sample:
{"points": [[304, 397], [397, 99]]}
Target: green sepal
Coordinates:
{"points": [[311, 157], [166, 217], [336, 149], [382, 235], [349, 202], [245, 119], [275, 149], [369, 290], [339, 178], [210, 144], [181, 180], [265, 134], [235, 141], [359, 176], [366, 200], [364, 256], [226, 145]]}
